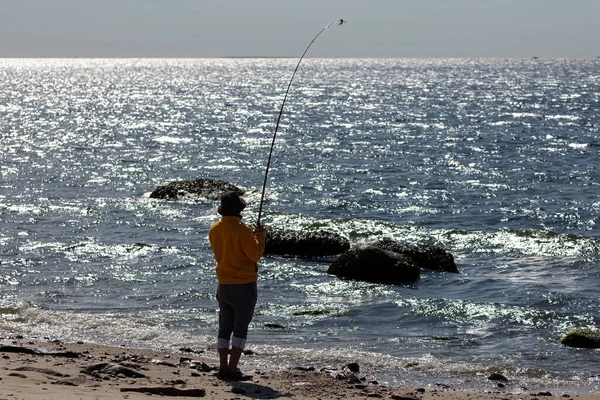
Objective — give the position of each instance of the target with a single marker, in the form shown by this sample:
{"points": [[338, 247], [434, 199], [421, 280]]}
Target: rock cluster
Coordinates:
{"points": [[388, 261], [385, 261]]}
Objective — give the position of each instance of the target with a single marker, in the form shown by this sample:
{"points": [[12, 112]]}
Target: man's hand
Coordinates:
{"points": [[259, 228]]}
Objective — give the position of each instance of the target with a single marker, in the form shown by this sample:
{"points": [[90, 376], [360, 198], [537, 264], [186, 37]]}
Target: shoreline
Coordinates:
{"points": [[32, 370]]}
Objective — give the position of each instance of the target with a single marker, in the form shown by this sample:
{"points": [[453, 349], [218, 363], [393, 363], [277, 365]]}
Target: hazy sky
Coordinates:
{"points": [[376, 28]]}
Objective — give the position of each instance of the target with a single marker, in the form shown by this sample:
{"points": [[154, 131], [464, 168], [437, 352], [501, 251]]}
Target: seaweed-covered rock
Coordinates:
{"points": [[305, 244], [428, 257], [583, 338], [369, 263], [210, 189]]}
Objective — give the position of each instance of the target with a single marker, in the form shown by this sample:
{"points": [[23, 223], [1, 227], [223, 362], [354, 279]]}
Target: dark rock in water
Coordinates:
{"points": [[304, 244], [311, 312], [353, 367], [497, 377], [371, 264], [273, 325], [388, 261], [210, 189], [582, 338], [427, 257]]}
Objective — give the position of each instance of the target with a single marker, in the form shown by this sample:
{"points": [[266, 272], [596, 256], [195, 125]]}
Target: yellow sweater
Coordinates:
{"points": [[237, 250]]}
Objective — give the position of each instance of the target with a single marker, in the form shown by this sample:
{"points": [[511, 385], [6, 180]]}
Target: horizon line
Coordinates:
{"points": [[536, 58]]}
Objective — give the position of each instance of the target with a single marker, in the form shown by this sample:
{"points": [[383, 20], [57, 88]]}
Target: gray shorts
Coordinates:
{"points": [[236, 309]]}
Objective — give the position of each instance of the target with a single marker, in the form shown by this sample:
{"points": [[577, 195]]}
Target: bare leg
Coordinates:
{"points": [[236, 353], [223, 353]]}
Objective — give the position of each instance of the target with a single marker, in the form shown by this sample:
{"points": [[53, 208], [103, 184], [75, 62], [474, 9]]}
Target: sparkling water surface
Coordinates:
{"points": [[494, 160]]}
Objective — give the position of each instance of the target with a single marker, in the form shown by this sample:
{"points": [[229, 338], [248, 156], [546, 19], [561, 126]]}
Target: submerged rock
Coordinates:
{"points": [[428, 257], [582, 338], [366, 262], [304, 244], [210, 189]]}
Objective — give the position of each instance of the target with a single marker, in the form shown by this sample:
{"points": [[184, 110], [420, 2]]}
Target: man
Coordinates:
{"points": [[237, 250]]}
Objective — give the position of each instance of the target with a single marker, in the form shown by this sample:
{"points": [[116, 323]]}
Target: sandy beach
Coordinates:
{"points": [[61, 371]]}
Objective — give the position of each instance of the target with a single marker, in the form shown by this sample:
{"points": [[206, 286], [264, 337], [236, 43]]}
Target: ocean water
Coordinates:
{"points": [[494, 160]]}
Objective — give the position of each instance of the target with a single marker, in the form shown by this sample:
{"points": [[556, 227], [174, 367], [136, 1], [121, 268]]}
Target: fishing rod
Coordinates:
{"points": [[262, 197]]}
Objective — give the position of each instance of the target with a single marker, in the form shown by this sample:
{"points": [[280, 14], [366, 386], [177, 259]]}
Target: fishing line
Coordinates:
{"points": [[262, 197]]}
